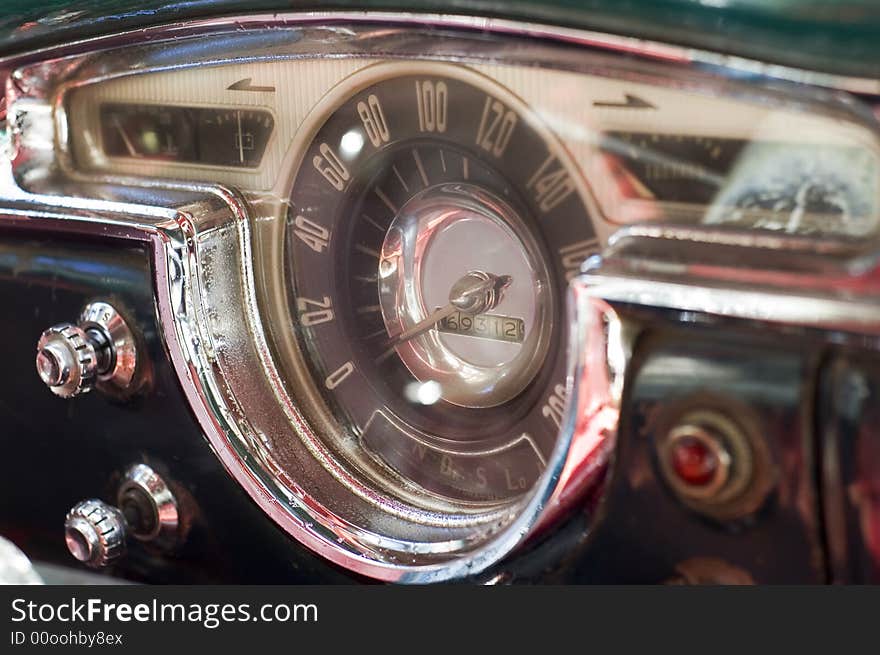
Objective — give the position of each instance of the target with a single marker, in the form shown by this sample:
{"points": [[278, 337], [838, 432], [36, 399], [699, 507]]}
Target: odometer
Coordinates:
{"points": [[433, 224]]}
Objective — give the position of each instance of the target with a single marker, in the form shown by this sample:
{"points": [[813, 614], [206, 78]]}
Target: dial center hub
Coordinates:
{"points": [[464, 294]]}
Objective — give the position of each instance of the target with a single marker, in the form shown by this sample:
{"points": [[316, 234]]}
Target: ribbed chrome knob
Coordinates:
{"points": [[66, 360], [100, 350], [95, 533]]}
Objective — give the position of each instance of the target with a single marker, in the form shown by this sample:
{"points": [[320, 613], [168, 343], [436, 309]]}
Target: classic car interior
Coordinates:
{"points": [[373, 294]]}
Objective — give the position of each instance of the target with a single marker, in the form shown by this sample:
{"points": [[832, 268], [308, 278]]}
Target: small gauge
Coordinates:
{"points": [[234, 137], [148, 132], [808, 189], [671, 168], [189, 135]]}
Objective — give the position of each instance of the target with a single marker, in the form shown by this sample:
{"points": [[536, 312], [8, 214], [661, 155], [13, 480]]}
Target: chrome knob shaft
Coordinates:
{"points": [[95, 533]]}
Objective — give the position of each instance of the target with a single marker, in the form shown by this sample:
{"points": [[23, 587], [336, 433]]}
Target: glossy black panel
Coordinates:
{"points": [[647, 534], [57, 452]]}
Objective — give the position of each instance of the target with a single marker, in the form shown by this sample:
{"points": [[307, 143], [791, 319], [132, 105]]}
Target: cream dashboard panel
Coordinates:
{"points": [[578, 108]]}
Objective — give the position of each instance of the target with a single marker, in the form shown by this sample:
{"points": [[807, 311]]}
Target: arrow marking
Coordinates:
{"points": [[629, 102], [245, 85]]}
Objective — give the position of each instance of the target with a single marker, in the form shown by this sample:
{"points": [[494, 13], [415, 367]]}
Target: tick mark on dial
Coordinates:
{"points": [[367, 251], [386, 200], [373, 223], [421, 168], [442, 160], [385, 355], [368, 309], [400, 177], [377, 333], [464, 167]]}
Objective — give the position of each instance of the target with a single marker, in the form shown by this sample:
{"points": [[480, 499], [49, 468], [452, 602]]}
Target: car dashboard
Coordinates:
{"points": [[341, 297]]}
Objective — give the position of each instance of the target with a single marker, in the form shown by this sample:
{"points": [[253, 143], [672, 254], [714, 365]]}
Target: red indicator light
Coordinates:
{"points": [[695, 463]]}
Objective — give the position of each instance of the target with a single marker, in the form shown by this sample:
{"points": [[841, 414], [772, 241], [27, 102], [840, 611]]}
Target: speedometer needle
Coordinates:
{"points": [[474, 293]]}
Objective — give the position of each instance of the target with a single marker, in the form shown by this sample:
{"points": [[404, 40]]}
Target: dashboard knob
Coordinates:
{"points": [[67, 360], [95, 533], [100, 350]]}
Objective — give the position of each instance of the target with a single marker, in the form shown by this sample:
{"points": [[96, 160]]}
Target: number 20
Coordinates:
{"points": [[308, 317]]}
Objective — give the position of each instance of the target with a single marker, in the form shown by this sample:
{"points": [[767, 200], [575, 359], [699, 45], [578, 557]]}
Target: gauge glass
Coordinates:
{"points": [[148, 132], [433, 225], [808, 189], [819, 189], [187, 135]]}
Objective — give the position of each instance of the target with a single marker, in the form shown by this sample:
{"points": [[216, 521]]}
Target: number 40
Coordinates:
{"points": [[315, 236]]}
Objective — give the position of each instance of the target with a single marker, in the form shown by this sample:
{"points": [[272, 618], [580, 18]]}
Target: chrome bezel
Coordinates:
{"points": [[269, 251], [714, 445], [101, 314], [141, 479], [189, 226]]}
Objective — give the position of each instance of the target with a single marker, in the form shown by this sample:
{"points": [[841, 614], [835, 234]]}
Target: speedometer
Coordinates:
{"points": [[433, 224]]}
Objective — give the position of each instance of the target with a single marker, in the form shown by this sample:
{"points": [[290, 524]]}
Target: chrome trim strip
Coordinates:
{"points": [[585, 38], [774, 306]]}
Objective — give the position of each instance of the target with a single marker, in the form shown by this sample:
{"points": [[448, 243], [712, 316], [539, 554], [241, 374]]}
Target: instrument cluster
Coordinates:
{"points": [[644, 152]]}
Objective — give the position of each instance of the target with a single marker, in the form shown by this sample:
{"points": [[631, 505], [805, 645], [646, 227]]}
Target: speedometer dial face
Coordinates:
{"points": [[433, 225]]}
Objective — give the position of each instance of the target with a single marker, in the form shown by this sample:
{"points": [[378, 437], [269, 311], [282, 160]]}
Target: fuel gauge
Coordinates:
{"points": [[234, 137], [148, 132]]}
